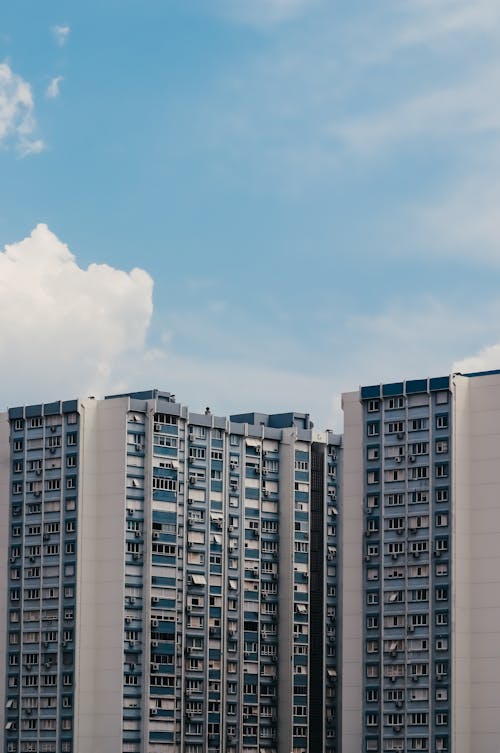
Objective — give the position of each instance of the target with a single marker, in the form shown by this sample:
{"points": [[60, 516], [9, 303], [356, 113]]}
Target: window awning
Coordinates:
{"points": [[198, 580]]}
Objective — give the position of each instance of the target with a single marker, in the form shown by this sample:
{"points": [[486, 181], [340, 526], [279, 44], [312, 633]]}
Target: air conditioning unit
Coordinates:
{"points": [[128, 620], [153, 712], [138, 534], [399, 459], [400, 435], [156, 534], [412, 458], [157, 427], [155, 667], [154, 644], [154, 623], [155, 599], [136, 556]]}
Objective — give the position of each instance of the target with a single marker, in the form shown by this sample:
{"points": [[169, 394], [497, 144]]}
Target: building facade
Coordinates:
{"points": [[420, 572], [172, 579]]}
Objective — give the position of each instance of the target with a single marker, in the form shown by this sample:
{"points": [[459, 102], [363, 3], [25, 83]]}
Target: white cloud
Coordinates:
{"points": [[64, 328], [485, 360], [430, 21], [17, 120], [61, 34], [53, 89], [465, 109], [66, 331], [264, 12]]}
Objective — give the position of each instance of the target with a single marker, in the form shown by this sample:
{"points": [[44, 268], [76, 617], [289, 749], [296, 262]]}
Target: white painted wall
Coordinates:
{"points": [[100, 576], [352, 574], [477, 565]]}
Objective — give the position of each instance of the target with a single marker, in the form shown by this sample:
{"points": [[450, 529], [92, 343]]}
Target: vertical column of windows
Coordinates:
{"points": [[45, 597], [166, 577], [374, 485], [301, 534], [134, 671], [267, 637], [234, 605]]}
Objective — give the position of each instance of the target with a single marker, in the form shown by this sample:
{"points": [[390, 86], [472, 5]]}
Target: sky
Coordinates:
{"points": [[253, 204]]}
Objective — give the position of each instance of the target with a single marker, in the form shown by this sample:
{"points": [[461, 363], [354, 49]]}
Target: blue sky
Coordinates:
{"points": [[312, 186]]}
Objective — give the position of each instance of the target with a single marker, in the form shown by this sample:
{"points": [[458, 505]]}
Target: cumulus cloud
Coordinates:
{"points": [[64, 328], [53, 89], [17, 119], [485, 360], [61, 34]]}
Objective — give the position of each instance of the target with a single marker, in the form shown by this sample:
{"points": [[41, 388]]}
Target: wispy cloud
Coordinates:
{"points": [[61, 34], [427, 21], [263, 13], [17, 119], [53, 89]]}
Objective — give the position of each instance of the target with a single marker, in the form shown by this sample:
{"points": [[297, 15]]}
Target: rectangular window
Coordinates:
{"points": [[442, 421]]}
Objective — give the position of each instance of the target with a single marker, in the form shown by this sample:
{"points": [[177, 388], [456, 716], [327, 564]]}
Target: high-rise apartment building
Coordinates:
{"points": [[420, 571], [171, 580]]}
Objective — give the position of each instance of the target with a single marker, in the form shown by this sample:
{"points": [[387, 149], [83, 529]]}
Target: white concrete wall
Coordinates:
{"points": [[100, 576], [477, 565], [4, 553], [352, 574]]}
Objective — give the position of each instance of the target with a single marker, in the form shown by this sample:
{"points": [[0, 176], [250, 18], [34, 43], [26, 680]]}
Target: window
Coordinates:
{"points": [[395, 524], [395, 427], [442, 421], [441, 446], [393, 403], [373, 428], [373, 452], [373, 406], [421, 471], [419, 448], [441, 495], [441, 520], [397, 474], [393, 500], [441, 470], [372, 671], [418, 424], [373, 477]]}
